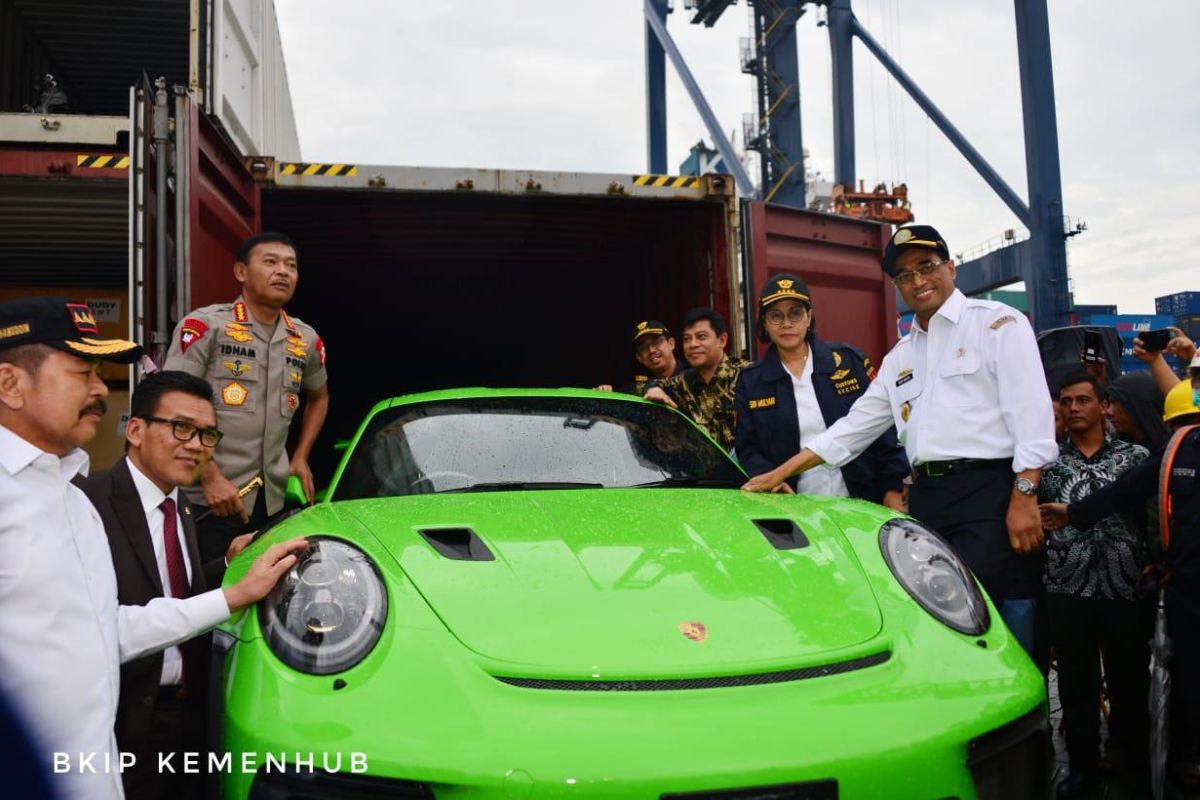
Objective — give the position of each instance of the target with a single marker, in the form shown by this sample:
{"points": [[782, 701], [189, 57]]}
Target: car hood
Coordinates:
{"points": [[633, 583]]}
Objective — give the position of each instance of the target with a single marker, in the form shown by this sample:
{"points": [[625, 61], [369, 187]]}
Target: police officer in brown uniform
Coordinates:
{"points": [[258, 359]]}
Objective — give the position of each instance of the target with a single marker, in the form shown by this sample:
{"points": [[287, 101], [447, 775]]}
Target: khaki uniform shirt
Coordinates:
{"points": [[256, 376], [710, 404]]}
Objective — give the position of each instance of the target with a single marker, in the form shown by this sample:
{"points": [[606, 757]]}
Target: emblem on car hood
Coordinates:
{"points": [[694, 631]]}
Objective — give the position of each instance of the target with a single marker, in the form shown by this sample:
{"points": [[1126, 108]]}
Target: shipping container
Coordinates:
{"points": [[226, 53], [1179, 304], [420, 278]]}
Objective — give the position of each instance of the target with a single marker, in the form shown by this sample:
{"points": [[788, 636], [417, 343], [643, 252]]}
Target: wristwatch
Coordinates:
{"points": [[1026, 487]]}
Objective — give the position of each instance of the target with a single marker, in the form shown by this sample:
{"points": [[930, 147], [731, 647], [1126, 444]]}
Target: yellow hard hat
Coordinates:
{"points": [[1180, 401]]}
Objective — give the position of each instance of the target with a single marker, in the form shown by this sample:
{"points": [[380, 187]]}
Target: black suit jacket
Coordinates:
{"points": [[115, 497], [768, 432]]}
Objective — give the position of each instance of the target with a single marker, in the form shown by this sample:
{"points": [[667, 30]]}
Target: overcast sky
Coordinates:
{"points": [[559, 85]]}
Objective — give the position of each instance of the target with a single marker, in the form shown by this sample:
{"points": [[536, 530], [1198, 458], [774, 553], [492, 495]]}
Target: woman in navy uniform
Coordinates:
{"points": [[799, 388]]}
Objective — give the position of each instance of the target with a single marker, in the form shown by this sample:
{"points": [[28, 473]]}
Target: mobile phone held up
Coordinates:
{"points": [[1091, 347], [1153, 341]]}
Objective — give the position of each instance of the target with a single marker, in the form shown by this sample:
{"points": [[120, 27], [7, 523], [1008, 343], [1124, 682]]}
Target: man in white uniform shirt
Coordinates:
{"points": [[966, 392], [63, 635]]}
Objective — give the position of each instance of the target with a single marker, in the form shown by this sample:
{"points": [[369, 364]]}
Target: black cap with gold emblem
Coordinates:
{"points": [[649, 327], [57, 322], [783, 287], [912, 236]]}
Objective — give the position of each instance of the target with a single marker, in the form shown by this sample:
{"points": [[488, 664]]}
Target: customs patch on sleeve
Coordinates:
{"points": [[190, 331], [1000, 323]]}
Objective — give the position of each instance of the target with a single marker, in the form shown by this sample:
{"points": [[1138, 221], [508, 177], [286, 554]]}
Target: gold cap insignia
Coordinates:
{"points": [[786, 285], [642, 325], [902, 236]]}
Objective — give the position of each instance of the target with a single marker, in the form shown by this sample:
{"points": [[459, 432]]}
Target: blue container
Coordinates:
{"points": [[1178, 304]]}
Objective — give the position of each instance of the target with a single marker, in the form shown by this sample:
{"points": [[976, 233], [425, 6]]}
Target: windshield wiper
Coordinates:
{"points": [[718, 483], [514, 486]]}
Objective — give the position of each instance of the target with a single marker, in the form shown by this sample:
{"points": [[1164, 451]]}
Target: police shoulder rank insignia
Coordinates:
{"points": [[903, 377], [234, 394], [762, 402], [240, 314], [85, 321], [1000, 323], [237, 367], [902, 236], [288, 324], [191, 330]]}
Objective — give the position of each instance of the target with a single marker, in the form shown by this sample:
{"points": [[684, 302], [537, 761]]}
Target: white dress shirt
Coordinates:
{"points": [[62, 635], [152, 497], [971, 386], [825, 480]]}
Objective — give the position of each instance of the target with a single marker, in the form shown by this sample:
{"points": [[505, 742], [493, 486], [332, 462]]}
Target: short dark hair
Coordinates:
{"points": [[28, 357], [266, 237], [148, 393], [700, 314], [1079, 376]]}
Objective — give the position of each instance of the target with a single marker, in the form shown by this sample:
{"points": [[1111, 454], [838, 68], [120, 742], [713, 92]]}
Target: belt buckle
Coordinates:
{"points": [[934, 469]]}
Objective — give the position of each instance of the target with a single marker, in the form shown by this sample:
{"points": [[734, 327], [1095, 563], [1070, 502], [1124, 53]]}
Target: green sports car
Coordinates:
{"points": [[564, 594]]}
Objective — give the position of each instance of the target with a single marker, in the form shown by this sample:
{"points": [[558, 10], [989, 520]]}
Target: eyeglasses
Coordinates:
{"points": [[924, 269], [794, 314], [186, 431]]}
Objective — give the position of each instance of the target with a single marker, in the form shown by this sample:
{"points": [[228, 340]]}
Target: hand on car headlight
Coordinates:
{"points": [[328, 611]]}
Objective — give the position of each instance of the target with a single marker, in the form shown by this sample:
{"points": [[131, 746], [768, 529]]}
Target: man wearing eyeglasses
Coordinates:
{"points": [[63, 634], [151, 531], [966, 392]]}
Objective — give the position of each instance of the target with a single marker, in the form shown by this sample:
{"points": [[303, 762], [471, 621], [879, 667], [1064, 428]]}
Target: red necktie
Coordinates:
{"points": [[176, 570]]}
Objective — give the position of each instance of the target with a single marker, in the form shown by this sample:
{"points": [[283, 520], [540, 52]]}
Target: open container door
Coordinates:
{"points": [[838, 257], [219, 207]]}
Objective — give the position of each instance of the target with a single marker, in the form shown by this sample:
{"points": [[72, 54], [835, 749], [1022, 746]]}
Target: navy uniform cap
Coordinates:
{"points": [[784, 287], [63, 325], [649, 327], [912, 236]]}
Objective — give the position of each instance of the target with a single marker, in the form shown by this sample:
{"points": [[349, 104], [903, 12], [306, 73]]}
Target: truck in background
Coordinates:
{"points": [[417, 278]]}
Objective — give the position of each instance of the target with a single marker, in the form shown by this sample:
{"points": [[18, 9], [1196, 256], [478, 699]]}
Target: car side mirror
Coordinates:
{"points": [[293, 496]]}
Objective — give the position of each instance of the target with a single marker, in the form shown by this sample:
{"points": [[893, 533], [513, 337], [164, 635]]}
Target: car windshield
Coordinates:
{"points": [[521, 443]]}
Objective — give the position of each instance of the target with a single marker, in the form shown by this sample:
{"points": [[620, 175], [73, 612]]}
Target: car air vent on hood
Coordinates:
{"points": [[783, 534], [460, 544]]}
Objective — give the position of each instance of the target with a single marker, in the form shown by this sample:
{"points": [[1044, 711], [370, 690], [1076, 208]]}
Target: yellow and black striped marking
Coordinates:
{"points": [[669, 181], [101, 162], [329, 170]]}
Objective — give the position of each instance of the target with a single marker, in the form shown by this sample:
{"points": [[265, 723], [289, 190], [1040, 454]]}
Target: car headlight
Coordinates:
{"points": [[328, 611], [934, 575]]}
